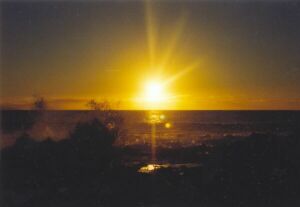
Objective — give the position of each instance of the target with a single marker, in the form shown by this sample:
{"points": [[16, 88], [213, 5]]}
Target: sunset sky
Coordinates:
{"points": [[218, 55]]}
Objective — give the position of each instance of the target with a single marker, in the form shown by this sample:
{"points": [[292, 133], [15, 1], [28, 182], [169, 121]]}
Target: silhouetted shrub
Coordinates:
{"points": [[110, 118], [93, 133], [78, 159]]}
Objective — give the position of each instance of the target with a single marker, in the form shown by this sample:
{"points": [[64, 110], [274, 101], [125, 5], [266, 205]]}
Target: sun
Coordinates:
{"points": [[154, 92]]}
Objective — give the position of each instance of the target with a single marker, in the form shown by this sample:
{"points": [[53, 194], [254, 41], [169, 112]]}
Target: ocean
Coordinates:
{"points": [[185, 127]]}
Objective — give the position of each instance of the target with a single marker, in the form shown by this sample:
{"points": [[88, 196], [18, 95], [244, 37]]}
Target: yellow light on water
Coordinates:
{"points": [[162, 116], [150, 167], [168, 125]]}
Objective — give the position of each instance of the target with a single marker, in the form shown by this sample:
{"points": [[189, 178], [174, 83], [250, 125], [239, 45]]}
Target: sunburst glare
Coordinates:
{"points": [[155, 94]]}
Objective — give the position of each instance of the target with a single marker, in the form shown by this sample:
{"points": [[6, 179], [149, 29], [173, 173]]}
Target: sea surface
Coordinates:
{"points": [[181, 128]]}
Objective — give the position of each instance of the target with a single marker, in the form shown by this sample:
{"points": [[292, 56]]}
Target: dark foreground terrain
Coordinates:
{"points": [[87, 169]]}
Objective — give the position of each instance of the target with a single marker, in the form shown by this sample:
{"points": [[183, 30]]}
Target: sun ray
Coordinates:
{"points": [[182, 72], [156, 94], [151, 30], [174, 39]]}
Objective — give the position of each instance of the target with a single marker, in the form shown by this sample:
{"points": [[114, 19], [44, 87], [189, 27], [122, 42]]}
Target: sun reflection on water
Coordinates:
{"points": [[150, 168], [179, 167]]}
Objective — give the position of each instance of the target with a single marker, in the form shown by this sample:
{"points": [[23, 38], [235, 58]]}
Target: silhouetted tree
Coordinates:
{"points": [[104, 111], [39, 103]]}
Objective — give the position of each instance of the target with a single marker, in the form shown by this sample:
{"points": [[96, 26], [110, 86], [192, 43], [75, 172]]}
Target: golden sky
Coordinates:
{"points": [[203, 55]]}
